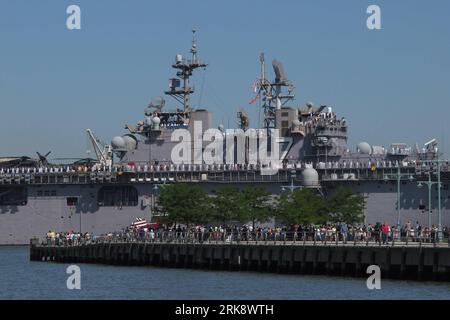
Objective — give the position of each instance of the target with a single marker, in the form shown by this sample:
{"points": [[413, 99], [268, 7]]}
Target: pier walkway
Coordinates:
{"points": [[398, 260]]}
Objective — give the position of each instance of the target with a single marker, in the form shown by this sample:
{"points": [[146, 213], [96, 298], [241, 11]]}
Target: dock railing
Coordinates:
{"points": [[228, 237]]}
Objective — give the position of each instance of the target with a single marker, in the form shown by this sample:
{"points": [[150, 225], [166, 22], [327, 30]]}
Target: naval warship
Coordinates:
{"points": [[310, 145]]}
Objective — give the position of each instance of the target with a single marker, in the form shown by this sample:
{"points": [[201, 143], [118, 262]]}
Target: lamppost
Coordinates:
{"points": [[430, 183], [156, 188], [398, 176]]}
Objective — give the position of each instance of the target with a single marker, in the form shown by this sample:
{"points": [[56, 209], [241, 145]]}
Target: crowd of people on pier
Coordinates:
{"points": [[381, 233], [68, 238]]}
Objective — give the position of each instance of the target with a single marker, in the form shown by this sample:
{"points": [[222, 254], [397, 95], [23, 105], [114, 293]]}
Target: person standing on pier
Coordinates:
{"points": [[408, 229], [344, 231], [418, 231], [385, 232]]}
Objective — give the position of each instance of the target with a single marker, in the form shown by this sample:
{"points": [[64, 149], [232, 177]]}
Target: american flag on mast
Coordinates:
{"points": [[254, 100], [255, 86]]}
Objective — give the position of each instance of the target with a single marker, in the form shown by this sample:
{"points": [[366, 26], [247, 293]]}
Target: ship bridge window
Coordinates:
{"points": [[13, 196], [118, 196]]}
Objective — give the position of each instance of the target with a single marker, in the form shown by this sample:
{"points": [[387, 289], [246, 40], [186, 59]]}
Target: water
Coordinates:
{"points": [[24, 279]]}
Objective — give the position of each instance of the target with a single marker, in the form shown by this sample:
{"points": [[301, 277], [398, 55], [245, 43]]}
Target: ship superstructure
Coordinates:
{"points": [[102, 196]]}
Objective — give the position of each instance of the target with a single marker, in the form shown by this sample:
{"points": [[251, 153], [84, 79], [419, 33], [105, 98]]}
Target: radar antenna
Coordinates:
{"points": [[272, 93]]}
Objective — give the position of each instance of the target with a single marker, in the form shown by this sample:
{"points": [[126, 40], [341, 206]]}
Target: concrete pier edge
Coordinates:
{"points": [[399, 262]]}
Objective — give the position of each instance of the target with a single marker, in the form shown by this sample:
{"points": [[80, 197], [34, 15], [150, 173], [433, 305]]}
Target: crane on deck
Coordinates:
{"points": [[102, 150]]}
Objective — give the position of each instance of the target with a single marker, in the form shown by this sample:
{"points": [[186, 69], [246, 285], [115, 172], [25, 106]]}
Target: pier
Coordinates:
{"points": [[414, 262]]}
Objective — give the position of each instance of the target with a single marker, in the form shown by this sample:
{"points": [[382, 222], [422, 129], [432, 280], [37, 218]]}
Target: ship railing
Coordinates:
{"points": [[339, 171], [276, 237], [169, 167]]}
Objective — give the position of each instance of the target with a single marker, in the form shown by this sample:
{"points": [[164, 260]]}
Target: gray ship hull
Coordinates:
{"points": [[51, 211]]}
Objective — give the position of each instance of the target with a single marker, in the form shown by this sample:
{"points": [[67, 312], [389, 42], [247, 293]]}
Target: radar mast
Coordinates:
{"points": [[272, 93], [186, 67]]}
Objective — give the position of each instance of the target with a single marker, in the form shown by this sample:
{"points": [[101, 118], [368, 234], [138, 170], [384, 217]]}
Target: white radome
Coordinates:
{"points": [[130, 142], [364, 148], [310, 177], [156, 120], [118, 142]]}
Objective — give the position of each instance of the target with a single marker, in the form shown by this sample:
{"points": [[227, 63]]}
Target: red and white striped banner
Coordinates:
{"points": [[139, 223]]}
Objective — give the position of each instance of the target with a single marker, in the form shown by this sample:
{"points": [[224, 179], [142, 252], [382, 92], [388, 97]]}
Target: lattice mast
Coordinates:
{"points": [[186, 68], [273, 94]]}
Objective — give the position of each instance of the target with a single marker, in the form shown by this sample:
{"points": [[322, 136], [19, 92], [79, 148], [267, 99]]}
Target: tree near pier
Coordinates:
{"points": [[345, 206], [184, 203]]}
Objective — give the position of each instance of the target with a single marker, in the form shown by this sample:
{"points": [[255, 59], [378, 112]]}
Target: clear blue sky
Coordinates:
{"points": [[393, 85]]}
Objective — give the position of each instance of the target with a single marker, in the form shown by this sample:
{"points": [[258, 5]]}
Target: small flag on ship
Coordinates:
{"points": [[254, 99]]}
